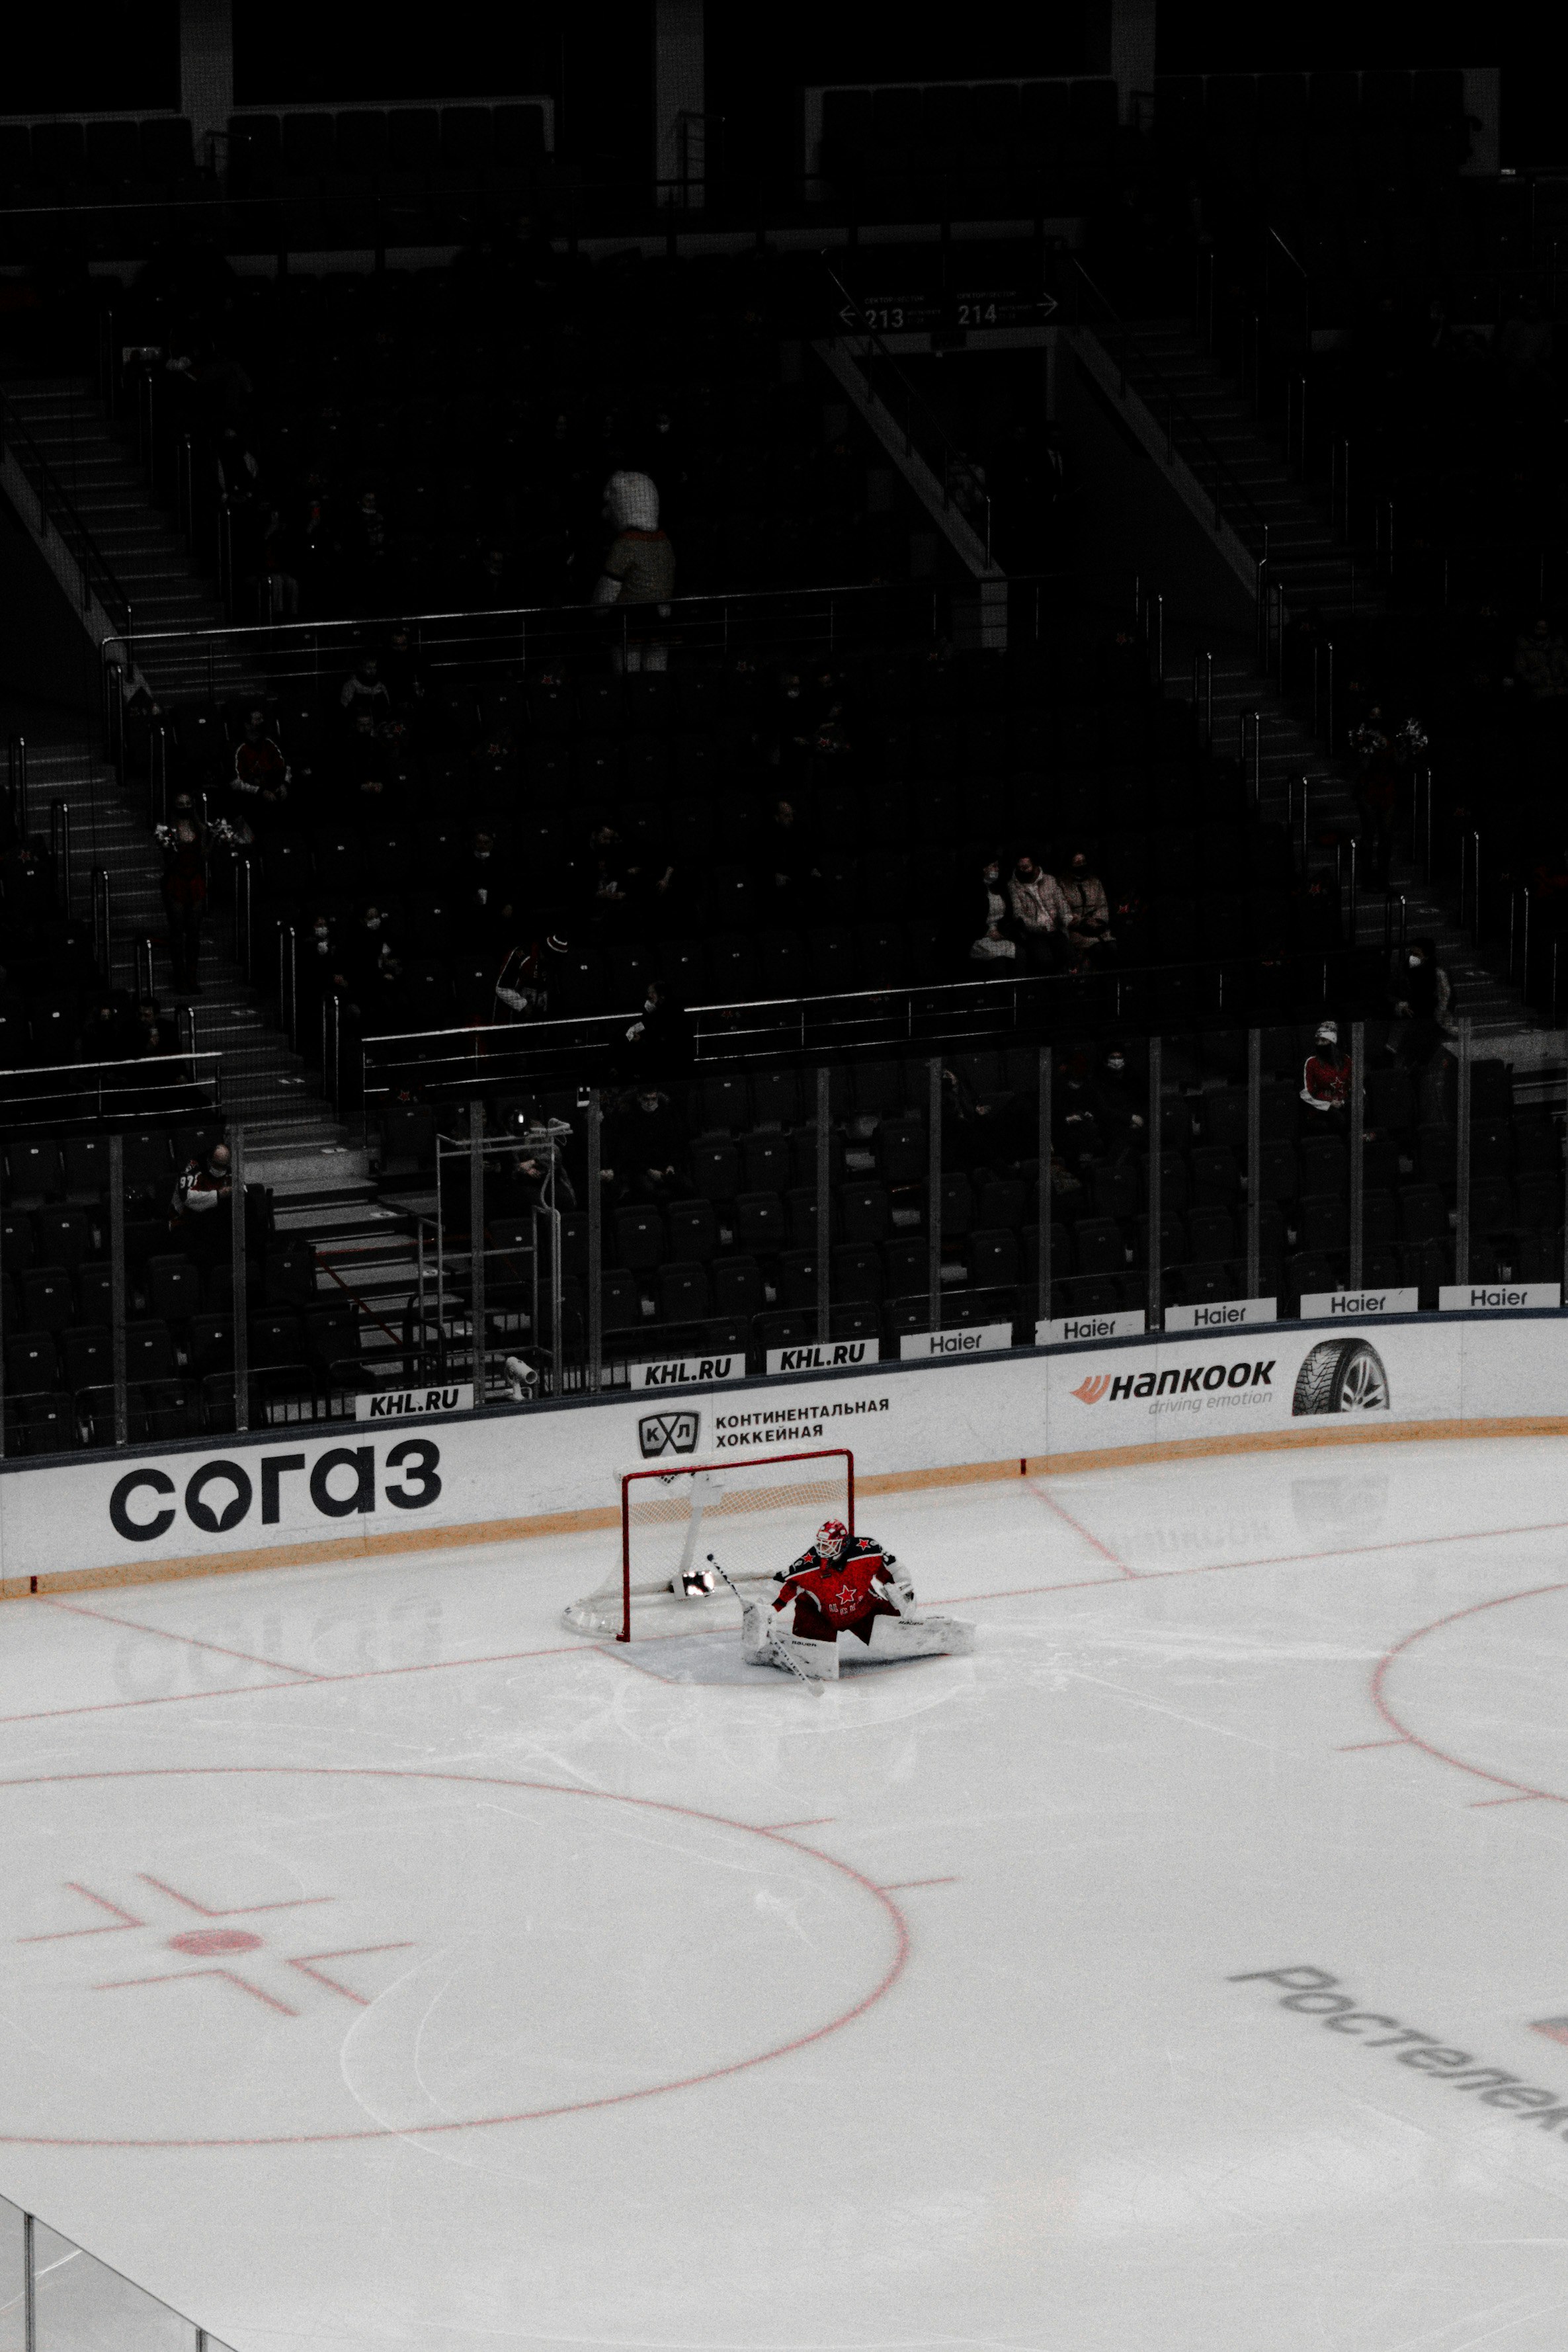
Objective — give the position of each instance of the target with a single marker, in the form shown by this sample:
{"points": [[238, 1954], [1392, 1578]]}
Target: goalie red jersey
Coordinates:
{"points": [[836, 1580]]}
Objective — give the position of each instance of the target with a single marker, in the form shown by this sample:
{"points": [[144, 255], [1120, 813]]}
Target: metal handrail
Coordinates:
{"points": [[884, 1019], [354, 626], [23, 1099], [1237, 489], [55, 503]]}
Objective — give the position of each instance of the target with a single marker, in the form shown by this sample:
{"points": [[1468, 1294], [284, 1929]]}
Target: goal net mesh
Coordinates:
{"points": [[754, 1515]]}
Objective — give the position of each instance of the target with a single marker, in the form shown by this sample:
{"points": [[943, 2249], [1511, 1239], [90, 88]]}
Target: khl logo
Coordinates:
{"points": [[668, 1433]]}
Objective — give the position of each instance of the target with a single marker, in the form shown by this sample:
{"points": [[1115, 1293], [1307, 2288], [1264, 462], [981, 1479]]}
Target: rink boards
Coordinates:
{"points": [[279, 1498]]}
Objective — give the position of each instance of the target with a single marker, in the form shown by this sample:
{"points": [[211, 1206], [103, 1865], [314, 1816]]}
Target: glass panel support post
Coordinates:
{"points": [[933, 1193], [1462, 1157], [595, 1241], [1254, 1162], [824, 1200], [1156, 1238], [1046, 1201], [1357, 1153], [238, 1270], [477, 1242], [117, 1286]]}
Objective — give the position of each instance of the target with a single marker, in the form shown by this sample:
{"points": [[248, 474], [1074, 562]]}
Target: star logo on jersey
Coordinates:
{"points": [[668, 1433], [1091, 1390]]}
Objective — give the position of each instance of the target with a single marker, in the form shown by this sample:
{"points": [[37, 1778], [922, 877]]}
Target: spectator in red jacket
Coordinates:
{"points": [[1326, 1075], [259, 775]]}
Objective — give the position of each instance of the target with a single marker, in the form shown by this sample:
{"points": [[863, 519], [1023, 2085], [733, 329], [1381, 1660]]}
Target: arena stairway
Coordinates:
{"points": [[1317, 574], [89, 456], [1316, 571], [1287, 753]]}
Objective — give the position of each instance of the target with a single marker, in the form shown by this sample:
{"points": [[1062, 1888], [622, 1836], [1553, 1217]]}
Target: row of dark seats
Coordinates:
{"points": [[1211, 1108], [1378, 98], [200, 1342], [68, 1289], [76, 158], [404, 146], [75, 1169]]}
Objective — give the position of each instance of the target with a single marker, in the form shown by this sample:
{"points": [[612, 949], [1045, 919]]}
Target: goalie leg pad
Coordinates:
{"points": [[819, 1660], [916, 1637], [756, 1632]]}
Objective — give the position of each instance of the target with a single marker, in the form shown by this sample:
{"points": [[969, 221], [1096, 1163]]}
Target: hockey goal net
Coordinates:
{"points": [[756, 1514]]}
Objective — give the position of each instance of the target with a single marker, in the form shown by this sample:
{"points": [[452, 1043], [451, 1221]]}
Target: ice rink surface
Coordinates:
{"points": [[384, 1965]]}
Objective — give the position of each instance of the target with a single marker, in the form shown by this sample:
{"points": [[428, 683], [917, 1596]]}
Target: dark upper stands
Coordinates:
{"points": [[485, 407]]}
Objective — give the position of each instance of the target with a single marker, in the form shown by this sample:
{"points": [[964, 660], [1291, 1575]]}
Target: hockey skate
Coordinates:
{"points": [[909, 1637]]}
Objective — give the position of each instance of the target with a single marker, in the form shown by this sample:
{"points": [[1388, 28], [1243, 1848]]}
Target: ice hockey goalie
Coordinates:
{"points": [[845, 1602]]}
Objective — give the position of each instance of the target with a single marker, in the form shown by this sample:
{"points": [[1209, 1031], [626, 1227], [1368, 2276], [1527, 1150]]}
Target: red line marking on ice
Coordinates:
{"points": [[184, 1975], [1043, 1495], [415, 2131], [65, 1935], [820, 1823], [163, 1633], [239, 1910], [899, 1886], [1271, 1560], [1380, 1698], [1356, 1746], [350, 1952], [255, 1690]]}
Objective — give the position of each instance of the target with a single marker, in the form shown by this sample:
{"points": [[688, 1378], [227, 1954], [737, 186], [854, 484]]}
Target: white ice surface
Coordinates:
{"points": [[495, 2020]]}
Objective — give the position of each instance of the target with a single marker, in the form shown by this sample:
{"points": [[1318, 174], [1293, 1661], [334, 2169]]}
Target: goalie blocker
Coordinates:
{"points": [[845, 1602]]}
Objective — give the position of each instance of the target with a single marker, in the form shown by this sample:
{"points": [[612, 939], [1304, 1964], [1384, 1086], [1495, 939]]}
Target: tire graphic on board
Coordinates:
{"points": [[1340, 1376]]}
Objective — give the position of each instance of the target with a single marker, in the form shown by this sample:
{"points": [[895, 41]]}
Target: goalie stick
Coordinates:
{"points": [[814, 1687]]}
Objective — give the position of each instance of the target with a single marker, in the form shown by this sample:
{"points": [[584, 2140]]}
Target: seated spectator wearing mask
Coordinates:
{"points": [[1041, 914], [200, 1209], [990, 930], [1421, 999], [661, 1032], [259, 776], [786, 858], [365, 689], [648, 1146], [1120, 1106], [638, 574], [1075, 1128], [1327, 1078], [1088, 910]]}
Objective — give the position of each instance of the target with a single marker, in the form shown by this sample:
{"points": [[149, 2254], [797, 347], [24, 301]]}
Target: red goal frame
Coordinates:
{"points": [[696, 1469]]}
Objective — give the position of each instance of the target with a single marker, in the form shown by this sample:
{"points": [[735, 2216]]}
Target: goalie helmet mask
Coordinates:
{"points": [[831, 1538]]}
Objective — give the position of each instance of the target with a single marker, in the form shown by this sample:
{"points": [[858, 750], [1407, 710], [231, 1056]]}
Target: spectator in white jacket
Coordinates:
{"points": [[1041, 913]]}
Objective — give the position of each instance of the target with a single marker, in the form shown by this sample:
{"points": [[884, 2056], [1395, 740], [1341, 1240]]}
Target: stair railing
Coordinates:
{"points": [[243, 868], [1221, 477], [1339, 487], [1154, 625], [1203, 695], [58, 512], [60, 853], [915, 405], [1296, 426], [287, 983], [17, 783], [103, 942]]}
